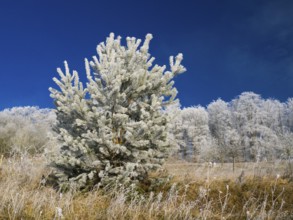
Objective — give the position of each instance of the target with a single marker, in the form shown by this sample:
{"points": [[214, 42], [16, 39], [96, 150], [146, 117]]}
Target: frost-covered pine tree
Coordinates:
{"points": [[114, 129]]}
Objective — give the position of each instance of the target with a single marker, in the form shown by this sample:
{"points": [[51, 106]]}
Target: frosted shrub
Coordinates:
{"points": [[25, 129], [114, 129]]}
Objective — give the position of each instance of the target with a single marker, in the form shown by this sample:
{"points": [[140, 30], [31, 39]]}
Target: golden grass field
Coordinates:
{"points": [[180, 190]]}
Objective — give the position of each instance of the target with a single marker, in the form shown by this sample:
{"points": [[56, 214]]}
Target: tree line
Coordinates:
{"points": [[248, 128]]}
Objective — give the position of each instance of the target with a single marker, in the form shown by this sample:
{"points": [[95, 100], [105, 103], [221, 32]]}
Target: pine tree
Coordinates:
{"points": [[114, 129]]}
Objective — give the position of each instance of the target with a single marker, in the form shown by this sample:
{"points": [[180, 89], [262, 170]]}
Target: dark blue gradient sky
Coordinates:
{"points": [[228, 46]]}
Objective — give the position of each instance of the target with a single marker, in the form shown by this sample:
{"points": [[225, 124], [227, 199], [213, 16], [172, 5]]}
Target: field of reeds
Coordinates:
{"points": [[180, 190]]}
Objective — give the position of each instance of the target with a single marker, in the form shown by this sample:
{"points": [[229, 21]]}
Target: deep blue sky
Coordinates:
{"points": [[228, 46]]}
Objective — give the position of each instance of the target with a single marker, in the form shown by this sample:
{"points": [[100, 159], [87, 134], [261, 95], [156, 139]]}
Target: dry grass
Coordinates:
{"points": [[212, 171], [197, 191]]}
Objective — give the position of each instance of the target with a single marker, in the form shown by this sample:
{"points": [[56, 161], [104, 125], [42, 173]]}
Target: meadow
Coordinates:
{"points": [[180, 190]]}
